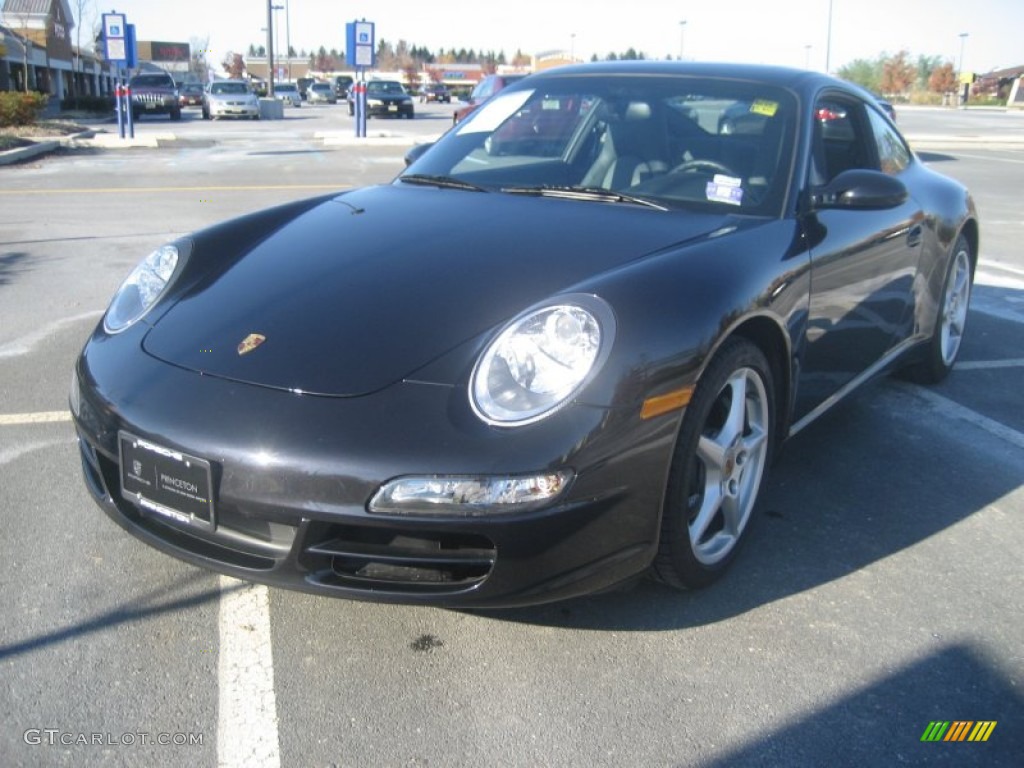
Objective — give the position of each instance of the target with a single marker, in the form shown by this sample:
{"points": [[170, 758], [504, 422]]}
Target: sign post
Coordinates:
{"points": [[115, 43], [360, 54]]}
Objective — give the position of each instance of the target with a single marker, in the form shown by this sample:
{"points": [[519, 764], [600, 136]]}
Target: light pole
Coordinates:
{"points": [[288, 35], [572, 47], [828, 41], [270, 48], [682, 32], [807, 56], [276, 38], [961, 86]]}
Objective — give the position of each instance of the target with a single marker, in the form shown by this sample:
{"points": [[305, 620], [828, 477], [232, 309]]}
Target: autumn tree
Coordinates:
{"points": [[898, 74], [233, 64], [942, 79]]}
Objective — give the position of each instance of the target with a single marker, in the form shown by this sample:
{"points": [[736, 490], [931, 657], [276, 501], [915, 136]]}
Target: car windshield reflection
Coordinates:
{"points": [[702, 143]]}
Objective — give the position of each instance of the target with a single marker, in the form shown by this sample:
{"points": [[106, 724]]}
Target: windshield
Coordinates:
{"points": [[152, 81], [290, 87], [678, 141], [233, 88], [378, 86]]}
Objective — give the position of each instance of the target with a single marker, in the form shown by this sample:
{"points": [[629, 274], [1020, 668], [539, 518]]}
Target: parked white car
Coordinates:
{"points": [[288, 93], [230, 98]]}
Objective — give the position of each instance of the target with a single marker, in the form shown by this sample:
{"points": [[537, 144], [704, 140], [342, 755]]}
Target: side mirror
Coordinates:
{"points": [[860, 189], [415, 153]]}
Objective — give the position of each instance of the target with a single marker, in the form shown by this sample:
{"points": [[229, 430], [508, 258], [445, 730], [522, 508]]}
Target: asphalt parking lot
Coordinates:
{"points": [[879, 591]]}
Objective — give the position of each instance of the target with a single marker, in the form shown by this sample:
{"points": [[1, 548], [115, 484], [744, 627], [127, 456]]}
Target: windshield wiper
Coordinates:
{"points": [[584, 193], [446, 182]]}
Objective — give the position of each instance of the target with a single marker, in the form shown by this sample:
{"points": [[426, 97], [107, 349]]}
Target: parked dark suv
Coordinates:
{"points": [[154, 93]]}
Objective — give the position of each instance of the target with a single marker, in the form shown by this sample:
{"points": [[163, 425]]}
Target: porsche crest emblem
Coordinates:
{"points": [[250, 342]]}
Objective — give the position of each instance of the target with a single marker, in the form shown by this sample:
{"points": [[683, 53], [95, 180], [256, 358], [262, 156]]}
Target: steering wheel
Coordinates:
{"points": [[703, 165]]}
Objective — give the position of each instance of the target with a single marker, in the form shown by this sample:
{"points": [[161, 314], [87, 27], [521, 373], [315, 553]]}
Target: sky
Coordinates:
{"points": [[785, 32]]}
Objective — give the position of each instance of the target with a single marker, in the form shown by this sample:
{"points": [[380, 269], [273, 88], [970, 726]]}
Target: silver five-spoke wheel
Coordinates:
{"points": [[721, 455]]}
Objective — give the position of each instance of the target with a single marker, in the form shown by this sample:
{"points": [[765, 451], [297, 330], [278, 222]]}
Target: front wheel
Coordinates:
{"points": [[719, 464]]}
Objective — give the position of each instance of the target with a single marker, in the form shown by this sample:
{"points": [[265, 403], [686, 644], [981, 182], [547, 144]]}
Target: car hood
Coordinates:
{"points": [[363, 289]]}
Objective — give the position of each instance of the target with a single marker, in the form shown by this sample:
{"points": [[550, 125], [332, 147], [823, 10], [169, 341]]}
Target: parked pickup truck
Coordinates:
{"points": [[154, 93]]}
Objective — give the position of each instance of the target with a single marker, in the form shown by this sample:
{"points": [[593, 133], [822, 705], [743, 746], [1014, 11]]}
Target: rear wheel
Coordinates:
{"points": [[951, 321], [719, 464]]}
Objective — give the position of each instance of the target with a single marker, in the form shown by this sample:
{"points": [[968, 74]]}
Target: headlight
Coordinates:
{"points": [[141, 289], [541, 359], [374, 103], [469, 495]]}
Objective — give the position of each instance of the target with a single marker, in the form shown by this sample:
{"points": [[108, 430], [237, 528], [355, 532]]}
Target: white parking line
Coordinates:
{"points": [[39, 417], [953, 410], [247, 714], [986, 365], [25, 344]]}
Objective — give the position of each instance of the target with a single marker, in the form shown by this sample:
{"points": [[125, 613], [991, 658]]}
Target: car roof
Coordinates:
{"points": [[798, 80]]}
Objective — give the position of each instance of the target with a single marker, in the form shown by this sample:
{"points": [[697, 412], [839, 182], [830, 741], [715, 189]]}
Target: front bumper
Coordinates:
{"points": [[390, 110], [234, 110], [292, 476]]}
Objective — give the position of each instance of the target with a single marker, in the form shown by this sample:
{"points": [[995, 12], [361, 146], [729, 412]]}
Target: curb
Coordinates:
{"points": [[18, 154]]}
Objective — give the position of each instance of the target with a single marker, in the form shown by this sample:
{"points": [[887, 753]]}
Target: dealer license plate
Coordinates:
{"points": [[165, 481]]}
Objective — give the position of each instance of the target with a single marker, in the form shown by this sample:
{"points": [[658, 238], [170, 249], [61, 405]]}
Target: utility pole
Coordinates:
{"points": [[270, 48]]}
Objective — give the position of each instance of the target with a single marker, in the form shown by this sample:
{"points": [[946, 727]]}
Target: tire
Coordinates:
{"points": [[951, 319], [721, 457], [176, 115]]}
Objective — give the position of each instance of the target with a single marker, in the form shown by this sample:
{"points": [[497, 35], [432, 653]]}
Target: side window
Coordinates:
{"points": [[843, 139], [893, 154]]}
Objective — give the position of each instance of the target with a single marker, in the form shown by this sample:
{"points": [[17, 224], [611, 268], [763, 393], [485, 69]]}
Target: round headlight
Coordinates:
{"points": [[541, 360], [141, 289]]}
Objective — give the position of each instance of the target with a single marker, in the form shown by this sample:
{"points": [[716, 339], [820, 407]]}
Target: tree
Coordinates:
{"points": [[198, 65], [233, 64], [898, 74], [864, 73], [412, 75], [80, 7], [925, 66], [942, 79]]}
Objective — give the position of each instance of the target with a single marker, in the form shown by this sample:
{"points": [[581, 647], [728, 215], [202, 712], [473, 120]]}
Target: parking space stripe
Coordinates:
{"points": [[41, 417], [954, 410], [987, 365], [247, 712]]}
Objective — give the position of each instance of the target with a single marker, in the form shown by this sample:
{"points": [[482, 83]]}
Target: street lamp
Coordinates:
{"points": [[288, 35], [270, 49], [276, 38], [682, 32], [960, 67], [828, 41], [961, 87]]}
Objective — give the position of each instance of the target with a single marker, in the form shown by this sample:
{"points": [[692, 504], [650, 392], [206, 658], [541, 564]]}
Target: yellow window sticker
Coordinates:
{"points": [[763, 107]]}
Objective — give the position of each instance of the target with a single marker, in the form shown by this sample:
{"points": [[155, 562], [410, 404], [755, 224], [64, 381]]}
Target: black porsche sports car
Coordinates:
{"points": [[557, 351]]}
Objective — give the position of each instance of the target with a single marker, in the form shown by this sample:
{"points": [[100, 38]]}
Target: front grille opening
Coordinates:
{"points": [[374, 558]]}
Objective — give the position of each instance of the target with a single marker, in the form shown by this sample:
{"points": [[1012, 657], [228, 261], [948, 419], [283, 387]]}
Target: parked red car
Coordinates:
{"points": [[486, 88]]}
